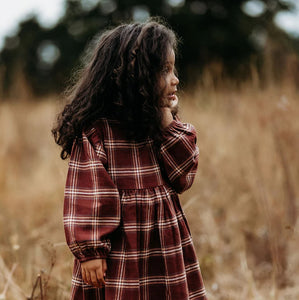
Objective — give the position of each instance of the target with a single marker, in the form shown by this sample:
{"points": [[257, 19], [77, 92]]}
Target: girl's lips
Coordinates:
{"points": [[172, 96]]}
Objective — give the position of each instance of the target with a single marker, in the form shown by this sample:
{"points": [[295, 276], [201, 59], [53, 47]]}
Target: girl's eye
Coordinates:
{"points": [[166, 70]]}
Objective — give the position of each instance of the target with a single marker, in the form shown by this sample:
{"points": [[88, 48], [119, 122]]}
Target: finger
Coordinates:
{"points": [[175, 110], [174, 102], [94, 280], [88, 278], [100, 276], [104, 266], [170, 102], [83, 275]]}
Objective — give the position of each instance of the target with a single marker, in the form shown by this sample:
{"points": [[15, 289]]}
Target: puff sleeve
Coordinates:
{"points": [[91, 201], [179, 154]]}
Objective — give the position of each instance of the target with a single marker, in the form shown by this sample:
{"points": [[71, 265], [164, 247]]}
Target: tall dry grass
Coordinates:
{"points": [[242, 208]]}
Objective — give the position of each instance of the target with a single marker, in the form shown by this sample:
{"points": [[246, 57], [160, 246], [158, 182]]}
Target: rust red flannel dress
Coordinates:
{"points": [[121, 204]]}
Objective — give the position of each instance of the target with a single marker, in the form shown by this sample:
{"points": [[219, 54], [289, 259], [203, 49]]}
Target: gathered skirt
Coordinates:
{"points": [[152, 254]]}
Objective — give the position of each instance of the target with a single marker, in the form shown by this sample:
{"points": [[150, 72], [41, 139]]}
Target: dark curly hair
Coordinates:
{"points": [[120, 81]]}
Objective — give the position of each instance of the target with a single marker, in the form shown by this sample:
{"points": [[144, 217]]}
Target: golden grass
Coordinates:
{"points": [[242, 207]]}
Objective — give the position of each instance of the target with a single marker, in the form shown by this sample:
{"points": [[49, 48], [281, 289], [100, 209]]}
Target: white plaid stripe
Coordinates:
{"points": [[145, 209]]}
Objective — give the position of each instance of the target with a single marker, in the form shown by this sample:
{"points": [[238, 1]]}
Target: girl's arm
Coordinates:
{"points": [[91, 203], [178, 152]]}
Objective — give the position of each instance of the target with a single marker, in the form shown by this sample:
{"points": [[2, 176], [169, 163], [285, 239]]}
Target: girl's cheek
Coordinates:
{"points": [[162, 86], [162, 83]]}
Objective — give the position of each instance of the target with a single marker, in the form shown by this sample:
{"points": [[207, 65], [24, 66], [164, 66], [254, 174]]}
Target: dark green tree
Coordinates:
{"points": [[209, 29]]}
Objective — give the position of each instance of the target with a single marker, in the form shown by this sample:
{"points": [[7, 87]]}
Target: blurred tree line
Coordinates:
{"points": [[211, 30]]}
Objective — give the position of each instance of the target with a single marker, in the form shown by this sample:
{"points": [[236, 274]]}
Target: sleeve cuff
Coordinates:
{"points": [[87, 258], [85, 253], [176, 127]]}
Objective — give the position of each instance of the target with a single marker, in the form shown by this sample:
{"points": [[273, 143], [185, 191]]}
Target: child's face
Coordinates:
{"points": [[169, 81]]}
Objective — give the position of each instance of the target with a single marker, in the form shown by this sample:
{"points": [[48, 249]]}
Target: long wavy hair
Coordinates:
{"points": [[120, 81]]}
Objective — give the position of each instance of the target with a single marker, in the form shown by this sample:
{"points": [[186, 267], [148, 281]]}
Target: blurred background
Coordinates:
{"points": [[239, 72]]}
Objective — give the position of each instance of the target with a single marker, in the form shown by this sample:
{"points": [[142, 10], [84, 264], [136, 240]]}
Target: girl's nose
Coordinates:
{"points": [[175, 80]]}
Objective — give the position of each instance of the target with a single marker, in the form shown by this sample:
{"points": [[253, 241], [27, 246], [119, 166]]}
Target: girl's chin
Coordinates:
{"points": [[171, 101]]}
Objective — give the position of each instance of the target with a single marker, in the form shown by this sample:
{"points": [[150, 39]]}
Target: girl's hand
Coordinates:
{"points": [[168, 109], [94, 272], [171, 102]]}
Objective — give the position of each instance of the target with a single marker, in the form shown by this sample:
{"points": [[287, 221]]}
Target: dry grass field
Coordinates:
{"points": [[242, 208]]}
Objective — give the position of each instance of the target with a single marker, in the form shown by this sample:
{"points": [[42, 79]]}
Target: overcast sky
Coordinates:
{"points": [[13, 11], [49, 11]]}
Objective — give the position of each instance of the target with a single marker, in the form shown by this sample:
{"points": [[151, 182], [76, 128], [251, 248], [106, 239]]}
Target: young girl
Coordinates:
{"points": [[129, 157]]}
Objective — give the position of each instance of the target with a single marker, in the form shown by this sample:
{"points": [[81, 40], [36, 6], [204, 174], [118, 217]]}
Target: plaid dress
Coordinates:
{"points": [[121, 204]]}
